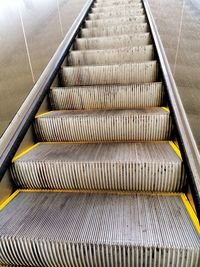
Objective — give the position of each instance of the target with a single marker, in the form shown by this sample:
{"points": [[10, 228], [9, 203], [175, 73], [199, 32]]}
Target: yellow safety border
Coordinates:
{"points": [[96, 109], [41, 114], [166, 109], [25, 151], [176, 149], [186, 203], [191, 212], [9, 199]]}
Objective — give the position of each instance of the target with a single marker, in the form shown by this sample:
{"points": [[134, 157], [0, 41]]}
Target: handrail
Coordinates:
{"points": [[41, 87], [186, 140]]}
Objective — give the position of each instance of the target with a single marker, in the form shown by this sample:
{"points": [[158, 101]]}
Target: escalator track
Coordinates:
{"points": [[105, 183]]}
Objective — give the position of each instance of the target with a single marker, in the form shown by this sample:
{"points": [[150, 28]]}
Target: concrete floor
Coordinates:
{"points": [[31, 31]]}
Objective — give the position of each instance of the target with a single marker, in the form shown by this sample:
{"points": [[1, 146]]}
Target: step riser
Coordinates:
{"points": [[107, 97], [119, 13], [110, 22], [114, 30], [103, 57], [112, 42], [133, 6], [74, 254], [110, 74], [104, 128], [100, 176]]}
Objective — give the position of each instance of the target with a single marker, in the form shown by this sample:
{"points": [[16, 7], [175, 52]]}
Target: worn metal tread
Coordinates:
{"points": [[115, 3], [115, 21], [114, 30], [69, 229], [111, 56], [116, 13], [132, 6], [137, 166], [104, 125], [110, 74], [107, 96], [109, 42]]}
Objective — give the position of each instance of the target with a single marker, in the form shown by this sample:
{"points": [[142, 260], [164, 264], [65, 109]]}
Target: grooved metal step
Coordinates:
{"points": [[107, 96], [114, 21], [60, 229], [110, 74], [137, 166], [114, 30], [103, 9], [111, 56], [104, 125], [78, 229], [116, 13], [110, 42], [115, 3]]}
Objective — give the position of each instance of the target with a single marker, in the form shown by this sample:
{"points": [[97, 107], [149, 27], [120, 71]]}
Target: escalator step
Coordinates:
{"points": [[132, 6], [104, 125], [107, 96], [114, 21], [110, 74], [120, 41], [116, 13], [115, 3], [79, 229], [114, 30], [137, 166], [111, 56]]}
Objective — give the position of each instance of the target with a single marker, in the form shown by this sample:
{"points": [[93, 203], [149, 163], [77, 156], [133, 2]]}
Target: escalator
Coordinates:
{"points": [[105, 183]]}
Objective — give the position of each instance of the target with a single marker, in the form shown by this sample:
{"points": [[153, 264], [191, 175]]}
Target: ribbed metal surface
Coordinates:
{"points": [[116, 13], [114, 30], [107, 96], [104, 125], [70, 229], [111, 74], [131, 6], [112, 41], [111, 56], [145, 166], [115, 21], [115, 3]]}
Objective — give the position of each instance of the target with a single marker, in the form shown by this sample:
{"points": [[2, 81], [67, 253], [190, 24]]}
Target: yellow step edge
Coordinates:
{"points": [[41, 114], [98, 109], [166, 109], [9, 199], [190, 199], [176, 149], [25, 151], [98, 191], [191, 212]]}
